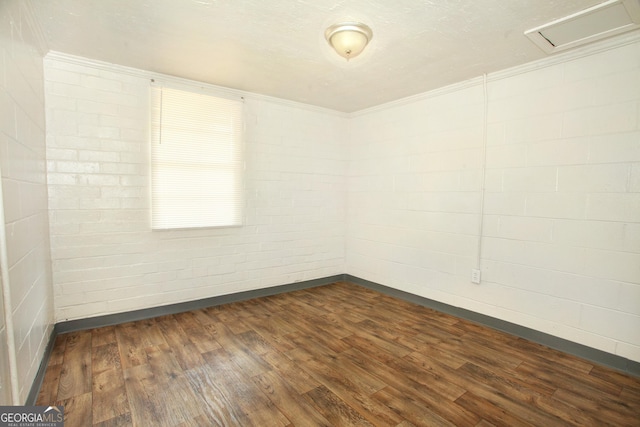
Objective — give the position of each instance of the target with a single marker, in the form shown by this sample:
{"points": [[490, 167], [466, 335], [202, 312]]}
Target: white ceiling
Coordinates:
{"points": [[277, 47]]}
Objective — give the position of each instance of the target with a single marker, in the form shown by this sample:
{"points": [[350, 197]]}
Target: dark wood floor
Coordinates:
{"points": [[337, 355]]}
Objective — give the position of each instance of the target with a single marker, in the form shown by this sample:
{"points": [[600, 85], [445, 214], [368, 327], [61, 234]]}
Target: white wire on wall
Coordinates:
{"points": [[483, 169]]}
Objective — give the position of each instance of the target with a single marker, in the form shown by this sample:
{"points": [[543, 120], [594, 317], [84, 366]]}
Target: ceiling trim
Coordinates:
{"points": [[165, 78], [421, 96], [34, 24], [566, 56], [549, 61]]}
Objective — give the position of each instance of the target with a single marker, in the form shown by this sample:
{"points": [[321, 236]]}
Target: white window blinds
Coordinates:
{"points": [[196, 160]]}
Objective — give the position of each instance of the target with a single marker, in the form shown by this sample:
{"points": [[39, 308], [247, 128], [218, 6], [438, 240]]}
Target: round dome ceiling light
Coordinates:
{"points": [[348, 38]]}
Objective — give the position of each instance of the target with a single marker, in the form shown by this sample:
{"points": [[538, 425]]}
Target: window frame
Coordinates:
{"points": [[235, 167]]}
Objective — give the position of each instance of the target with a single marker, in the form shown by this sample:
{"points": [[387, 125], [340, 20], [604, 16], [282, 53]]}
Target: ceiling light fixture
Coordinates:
{"points": [[348, 38]]}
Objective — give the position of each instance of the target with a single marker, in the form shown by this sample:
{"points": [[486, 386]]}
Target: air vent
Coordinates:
{"points": [[604, 20]]}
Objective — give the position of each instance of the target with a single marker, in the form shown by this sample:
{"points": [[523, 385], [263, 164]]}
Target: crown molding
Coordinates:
{"points": [[549, 61], [554, 59], [567, 56], [455, 87], [27, 12], [179, 81]]}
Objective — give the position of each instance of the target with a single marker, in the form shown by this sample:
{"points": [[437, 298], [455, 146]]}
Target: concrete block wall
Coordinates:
{"points": [[555, 150], [106, 259], [560, 245], [414, 193], [564, 145], [26, 297]]}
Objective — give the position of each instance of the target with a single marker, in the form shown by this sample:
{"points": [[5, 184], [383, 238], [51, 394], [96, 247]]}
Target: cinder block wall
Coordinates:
{"points": [[560, 247], [106, 259], [27, 292], [392, 195]]}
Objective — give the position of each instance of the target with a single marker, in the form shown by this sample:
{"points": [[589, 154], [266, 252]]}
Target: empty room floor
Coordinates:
{"points": [[335, 355]]}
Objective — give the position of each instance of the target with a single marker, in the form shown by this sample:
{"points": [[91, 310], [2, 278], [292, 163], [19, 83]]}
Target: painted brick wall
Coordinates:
{"points": [[560, 246], [561, 223], [22, 160], [414, 199], [105, 258]]}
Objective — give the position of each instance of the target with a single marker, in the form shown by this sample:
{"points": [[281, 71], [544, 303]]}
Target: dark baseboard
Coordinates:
{"points": [[591, 354], [147, 313], [37, 381], [597, 356]]}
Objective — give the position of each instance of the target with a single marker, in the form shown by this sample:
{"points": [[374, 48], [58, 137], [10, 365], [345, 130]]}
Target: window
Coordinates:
{"points": [[196, 160]]}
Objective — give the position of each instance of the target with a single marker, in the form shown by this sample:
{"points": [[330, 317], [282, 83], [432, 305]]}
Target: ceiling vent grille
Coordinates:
{"points": [[604, 20]]}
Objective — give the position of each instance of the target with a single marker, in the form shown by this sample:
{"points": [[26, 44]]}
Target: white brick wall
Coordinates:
{"points": [[105, 257], [561, 240], [413, 191], [22, 161], [560, 247]]}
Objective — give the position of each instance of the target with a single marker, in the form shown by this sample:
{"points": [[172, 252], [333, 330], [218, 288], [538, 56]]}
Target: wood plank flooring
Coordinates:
{"points": [[336, 355]]}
